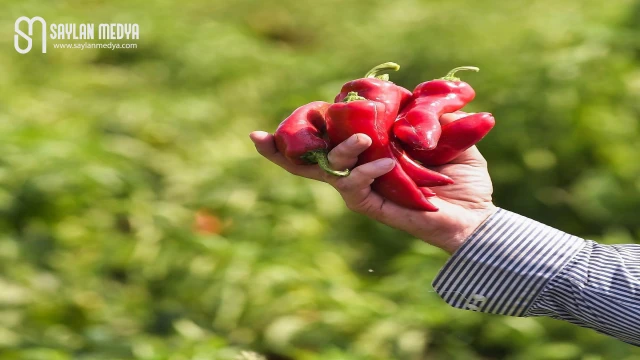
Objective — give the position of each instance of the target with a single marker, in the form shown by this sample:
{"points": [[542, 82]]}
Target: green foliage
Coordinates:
{"points": [[107, 156]]}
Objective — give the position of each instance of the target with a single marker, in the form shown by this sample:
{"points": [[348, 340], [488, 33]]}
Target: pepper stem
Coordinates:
{"points": [[451, 75], [352, 96], [388, 66], [320, 157]]}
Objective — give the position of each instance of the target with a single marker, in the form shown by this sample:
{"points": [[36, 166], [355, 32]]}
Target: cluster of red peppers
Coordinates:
{"points": [[402, 125]]}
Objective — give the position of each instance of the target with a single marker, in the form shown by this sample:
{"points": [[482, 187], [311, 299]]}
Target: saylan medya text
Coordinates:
{"points": [[87, 31]]}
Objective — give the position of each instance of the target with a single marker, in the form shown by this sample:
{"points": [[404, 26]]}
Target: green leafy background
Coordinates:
{"points": [[107, 157]]}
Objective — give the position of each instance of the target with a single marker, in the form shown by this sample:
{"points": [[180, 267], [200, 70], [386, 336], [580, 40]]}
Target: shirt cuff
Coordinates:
{"points": [[505, 264]]}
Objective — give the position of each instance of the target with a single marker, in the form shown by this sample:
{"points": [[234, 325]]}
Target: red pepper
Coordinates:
{"points": [[300, 137], [418, 173], [359, 115], [418, 125], [457, 136], [378, 88]]}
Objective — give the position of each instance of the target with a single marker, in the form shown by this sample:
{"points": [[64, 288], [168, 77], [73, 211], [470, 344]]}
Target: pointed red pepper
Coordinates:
{"points": [[457, 137], [378, 88], [418, 125], [359, 115], [418, 173], [300, 137]]}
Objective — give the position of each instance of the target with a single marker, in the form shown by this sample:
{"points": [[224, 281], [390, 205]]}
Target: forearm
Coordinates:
{"points": [[599, 289], [515, 266]]}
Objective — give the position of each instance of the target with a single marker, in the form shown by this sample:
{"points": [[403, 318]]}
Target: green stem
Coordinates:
{"points": [[353, 96], [388, 66], [451, 75], [320, 157]]}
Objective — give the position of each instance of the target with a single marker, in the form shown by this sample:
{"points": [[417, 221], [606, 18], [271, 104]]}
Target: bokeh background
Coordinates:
{"points": [[138, 222]]}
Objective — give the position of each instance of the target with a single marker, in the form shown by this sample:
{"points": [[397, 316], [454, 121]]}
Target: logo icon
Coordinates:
{"points": [[19, 32]]}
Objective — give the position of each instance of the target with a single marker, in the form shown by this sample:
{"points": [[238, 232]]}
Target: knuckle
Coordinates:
{"points": [[357, 173], [353, 207], [336, 161], [343, 185], [482, 161], [262, 152], [265, 151], [359, 207], [337, 151], [362, 176], [367, 207], [328, 178]]}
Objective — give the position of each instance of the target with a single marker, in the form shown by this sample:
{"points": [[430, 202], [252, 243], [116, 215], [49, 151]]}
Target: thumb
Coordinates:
{"points": [[471, 156]]}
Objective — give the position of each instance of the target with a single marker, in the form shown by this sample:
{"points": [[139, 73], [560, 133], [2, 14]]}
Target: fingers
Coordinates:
{"points": [[264, 143], [357, 186], [266, 146], [355, 189], [345, 155]]}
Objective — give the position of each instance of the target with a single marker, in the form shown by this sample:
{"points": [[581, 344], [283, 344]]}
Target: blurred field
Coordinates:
{"points": [[137, 221]]}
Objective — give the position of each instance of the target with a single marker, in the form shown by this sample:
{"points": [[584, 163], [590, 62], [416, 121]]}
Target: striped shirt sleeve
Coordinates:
{"points": [[516, 266]]}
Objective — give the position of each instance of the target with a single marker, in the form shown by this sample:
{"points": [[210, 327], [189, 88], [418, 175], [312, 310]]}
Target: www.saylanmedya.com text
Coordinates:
{"points": [[112, 46]]}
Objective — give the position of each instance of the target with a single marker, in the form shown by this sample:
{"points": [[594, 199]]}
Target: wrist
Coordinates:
{"points": [[452, 236]]}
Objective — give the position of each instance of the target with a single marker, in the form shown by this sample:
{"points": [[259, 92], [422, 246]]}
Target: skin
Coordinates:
{"points": [[464, 205]]}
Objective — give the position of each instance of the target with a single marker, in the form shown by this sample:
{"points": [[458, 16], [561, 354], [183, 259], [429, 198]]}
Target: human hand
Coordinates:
{"points": [[463, 205]]}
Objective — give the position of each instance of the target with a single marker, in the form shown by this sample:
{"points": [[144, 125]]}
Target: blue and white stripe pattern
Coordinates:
{"points": [[515, 266]]}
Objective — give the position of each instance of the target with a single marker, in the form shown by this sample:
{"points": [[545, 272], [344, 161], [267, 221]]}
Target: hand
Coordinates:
{"points": [[463, 206]]}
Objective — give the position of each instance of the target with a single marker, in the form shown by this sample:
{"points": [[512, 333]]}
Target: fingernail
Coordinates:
{"points": [[353, 139], [385, 163]]}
